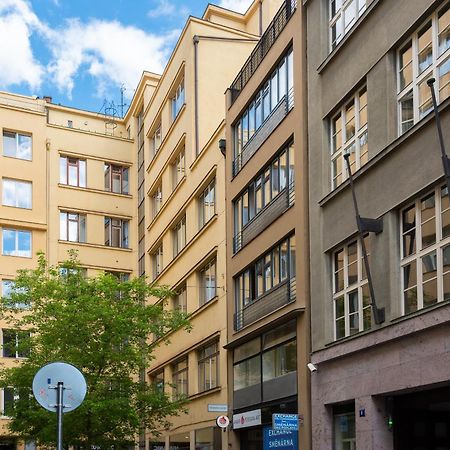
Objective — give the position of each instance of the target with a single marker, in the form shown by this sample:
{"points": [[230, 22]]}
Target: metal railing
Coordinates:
{"points": [[262, 48]]}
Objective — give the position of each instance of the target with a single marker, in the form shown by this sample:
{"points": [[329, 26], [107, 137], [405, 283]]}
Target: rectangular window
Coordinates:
{"points": [[13, 343], [208, 439], [16, 243], [344, 430], [155, 140], [180, 300], [179, 236], [208, 367], [351, 297], [8, 398], [425, 55], [208, 282], [17, 193], [207, 204], [343, 15], [178, 169], [177, 100], [17, 145], [8, 288], [72, 171], [116, 179], [116, 232], [425, 251], [72, 227], [157, 259], [180, 378], [158, 380], [349, 135], [157, 200]]}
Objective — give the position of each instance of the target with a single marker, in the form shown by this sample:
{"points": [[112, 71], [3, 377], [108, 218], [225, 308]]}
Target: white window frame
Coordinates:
{"points": [[16, 249], [205, 362], [17, 336], [178, 168], [180, 299], [157, 200], [6, 293], [176, 372], [158, 260], [179, 236], [15, 398], [17, 136], [349, 289], [177, 101], [81, 168], [206, 276], [431, 71], [64, 234], [205, 207], [16, 184], [420, 251], [156, 139]]}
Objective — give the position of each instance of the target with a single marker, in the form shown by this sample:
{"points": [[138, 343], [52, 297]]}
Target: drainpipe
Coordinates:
{"points": [[260, 18], [196, 41]]}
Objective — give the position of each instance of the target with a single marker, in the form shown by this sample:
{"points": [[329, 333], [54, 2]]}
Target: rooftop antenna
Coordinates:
{"points": [[110, 111], [122, 104]]}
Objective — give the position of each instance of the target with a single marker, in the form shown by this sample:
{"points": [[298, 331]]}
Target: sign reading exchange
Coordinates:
{"points": [[279, 440], [285, 422]]}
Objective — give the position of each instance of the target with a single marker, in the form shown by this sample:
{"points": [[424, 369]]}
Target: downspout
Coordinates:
{"points": [[196, 41], [260, 18]]}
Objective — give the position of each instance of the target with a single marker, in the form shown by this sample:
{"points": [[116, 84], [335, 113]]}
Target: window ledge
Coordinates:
{"points": [[204, 306], [86, 244], [94, 191], [346, 37], [205, 393]]}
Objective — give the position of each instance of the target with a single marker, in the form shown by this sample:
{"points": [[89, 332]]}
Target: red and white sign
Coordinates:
{"points": [[247, 419], [223, 421]]}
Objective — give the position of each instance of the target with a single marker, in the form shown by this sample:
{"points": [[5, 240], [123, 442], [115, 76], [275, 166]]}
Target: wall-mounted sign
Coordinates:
{"points": [[214, 407], [280, 440], [247, 419], [222, 421], [285, 422]]}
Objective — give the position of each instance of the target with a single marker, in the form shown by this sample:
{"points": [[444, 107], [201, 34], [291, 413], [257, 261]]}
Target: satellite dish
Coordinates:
{"points": [[45, 384]]}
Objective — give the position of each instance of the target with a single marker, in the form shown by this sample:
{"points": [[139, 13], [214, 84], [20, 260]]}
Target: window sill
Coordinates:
{"points": [[86, 244], [205, 393], [17, 256], [346, 37], [94, 191]]}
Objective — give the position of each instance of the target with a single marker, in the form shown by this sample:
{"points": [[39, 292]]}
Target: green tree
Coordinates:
{"points": [[102, 326]]}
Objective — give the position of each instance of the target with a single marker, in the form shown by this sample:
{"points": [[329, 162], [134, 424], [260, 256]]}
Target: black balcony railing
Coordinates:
{"points": [[262, 48], [272, 300]]}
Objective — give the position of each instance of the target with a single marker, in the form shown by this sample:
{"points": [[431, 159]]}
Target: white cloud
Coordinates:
{"points": [[163, 8], [236, 5]]}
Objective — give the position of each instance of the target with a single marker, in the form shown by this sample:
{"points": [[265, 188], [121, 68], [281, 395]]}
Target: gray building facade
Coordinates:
{"points": [[379, 385]]}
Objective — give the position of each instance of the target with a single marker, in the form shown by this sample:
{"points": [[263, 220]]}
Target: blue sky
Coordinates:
{"points": [[80, 52]]}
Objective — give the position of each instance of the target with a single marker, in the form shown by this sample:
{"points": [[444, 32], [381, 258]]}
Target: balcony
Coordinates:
{"points": [[264, 131], [279, 296], [284, 200], [262, 48]]}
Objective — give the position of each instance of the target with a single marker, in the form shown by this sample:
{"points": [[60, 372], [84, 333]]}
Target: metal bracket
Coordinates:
{"points": [[371, 225]]}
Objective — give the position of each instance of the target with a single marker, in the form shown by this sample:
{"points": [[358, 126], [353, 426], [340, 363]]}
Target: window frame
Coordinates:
{"points": [[123, 228], [177, 101], [156, 140], [158, 261], [110, 170], [16, 242], [17, 136], [178, 168], [157, 200], [204, 358], [179, 236], [207, 274], [205, 206], [80, 166], [81, 226], [176, 373], [16, 185], [181, 294], [18, 335]]}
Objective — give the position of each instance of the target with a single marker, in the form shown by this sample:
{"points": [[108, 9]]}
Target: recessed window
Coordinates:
{"points": [[179, 236], [17, 145], [156, 200], [116, 179], [349, 135], [13, 343], [16, 243], [351, 296], [177, 100], [425, 250], [8, 399], [155, 140], [158, 380], [180, 299], [157, 261], [180, 378], [72, 227], [72, 171], [425, 55], [8, 289], [344, 430], [178, 168], [207, 204], [208, 282], [17, 193], [208, 367], [116, 232]]}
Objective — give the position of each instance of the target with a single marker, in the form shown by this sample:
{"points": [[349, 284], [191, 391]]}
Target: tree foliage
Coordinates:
{"points": [[102, 326]]}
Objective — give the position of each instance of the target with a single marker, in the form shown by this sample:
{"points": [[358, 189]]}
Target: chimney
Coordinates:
{"points": [[47, 98]]}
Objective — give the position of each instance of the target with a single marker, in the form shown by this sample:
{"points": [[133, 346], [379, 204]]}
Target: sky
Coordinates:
{"points": [[81, 52]]}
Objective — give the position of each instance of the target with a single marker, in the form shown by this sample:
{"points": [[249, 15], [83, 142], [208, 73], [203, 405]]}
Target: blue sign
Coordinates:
{"points": [[285, 422], [279, 440]]}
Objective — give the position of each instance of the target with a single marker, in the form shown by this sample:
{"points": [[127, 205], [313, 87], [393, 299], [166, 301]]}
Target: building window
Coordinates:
{"points": [[155, 140], [425, 263], [262, 190], [157, 200], [157, 258], [208, 367], [277, 88], [16, 243], [116, 232], [177, 100], [13, 343], [8, 288], [72, 227], [351, 297], [344, 431], [207, 204], [208, 438], [180, 378], [8, 398], [158, 380], [271, 270], [343, 15], [16, 145], [426, 54], [180, 300], [179, 236], [121, 276], [349, 134], [72, 171], [116, 179], [208, 282], [178, 168], [17, 193]]}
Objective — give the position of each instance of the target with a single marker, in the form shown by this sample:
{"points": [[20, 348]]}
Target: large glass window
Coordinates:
{"points": [[352, 305], [177, 100], [349, 134], [116, 179], [16, 243], [72, 171], [72, 227], [425, 250], [344, 430], [279, 84], [207, 204], [208, 282], [180, 378], [208, 439], [116, 232], [17, 193], [17, 145], [208, 367], [343, 15], [425, 55]]}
